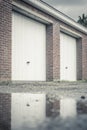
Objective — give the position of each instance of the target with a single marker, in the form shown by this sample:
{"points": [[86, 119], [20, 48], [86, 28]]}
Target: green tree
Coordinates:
{"points": [[83, 20]]}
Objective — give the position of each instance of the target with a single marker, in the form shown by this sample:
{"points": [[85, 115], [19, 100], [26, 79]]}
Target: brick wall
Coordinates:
{"points": [[53, 51], [53, 45], [56, 51], [5, 39], [5, 111], [49, 52], [84, 57], [79, 58]]}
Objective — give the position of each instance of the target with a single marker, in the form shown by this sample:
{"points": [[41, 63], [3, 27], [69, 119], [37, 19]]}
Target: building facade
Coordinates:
{"points": [[39, 43]]}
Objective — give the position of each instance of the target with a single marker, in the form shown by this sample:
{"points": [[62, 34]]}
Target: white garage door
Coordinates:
{"points": [[67, 57], [28, 49]]}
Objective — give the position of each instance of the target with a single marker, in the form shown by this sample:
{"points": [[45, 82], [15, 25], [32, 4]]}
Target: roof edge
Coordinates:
{"points": [[58, 15]]}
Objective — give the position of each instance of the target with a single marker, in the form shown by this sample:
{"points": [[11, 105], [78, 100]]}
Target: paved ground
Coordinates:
{"points": [[74, 89]]}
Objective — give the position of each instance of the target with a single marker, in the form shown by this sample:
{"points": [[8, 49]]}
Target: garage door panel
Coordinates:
{"points": [[28, 49], [67, 57]]}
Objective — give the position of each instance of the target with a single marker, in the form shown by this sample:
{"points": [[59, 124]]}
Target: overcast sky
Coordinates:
{"points": [[72, 8]]}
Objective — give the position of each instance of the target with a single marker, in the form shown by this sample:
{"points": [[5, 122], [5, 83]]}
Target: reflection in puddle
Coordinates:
{"points": [[28, 110], [67, 107], [25, 111]]}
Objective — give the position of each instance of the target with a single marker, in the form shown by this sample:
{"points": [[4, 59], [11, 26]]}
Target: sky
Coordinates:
{"points": [[72, 8]]}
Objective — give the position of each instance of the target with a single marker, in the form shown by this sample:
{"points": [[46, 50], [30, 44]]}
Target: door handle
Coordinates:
{"points": [[66, 67], [28, 62]]}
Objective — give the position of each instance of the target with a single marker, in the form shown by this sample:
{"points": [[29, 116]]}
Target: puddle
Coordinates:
{"points": [[28, 111]]}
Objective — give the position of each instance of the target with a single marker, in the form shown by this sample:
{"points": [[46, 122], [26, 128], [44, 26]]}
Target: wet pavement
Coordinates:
{"points": [[55, 89], [42, 111]]}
